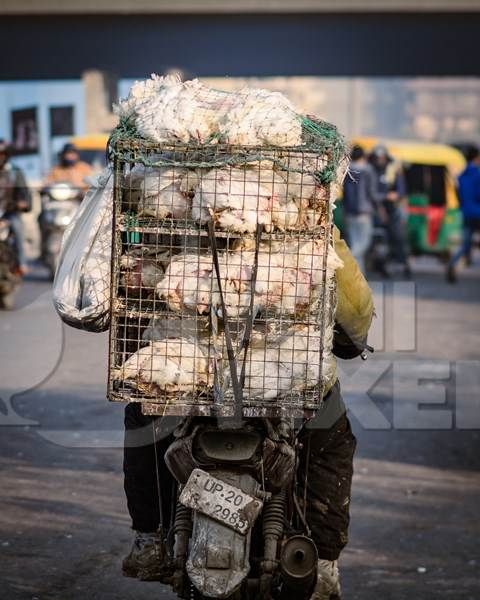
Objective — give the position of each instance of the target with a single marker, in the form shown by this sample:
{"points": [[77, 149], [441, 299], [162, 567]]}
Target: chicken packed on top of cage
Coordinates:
{"points": [[223, 266]]}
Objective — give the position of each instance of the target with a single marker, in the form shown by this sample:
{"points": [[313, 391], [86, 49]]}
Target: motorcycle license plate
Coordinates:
{"points": [[220, 501]]}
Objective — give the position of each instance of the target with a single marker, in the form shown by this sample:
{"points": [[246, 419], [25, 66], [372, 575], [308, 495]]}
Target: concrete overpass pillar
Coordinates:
{"points": [[100, 92]]}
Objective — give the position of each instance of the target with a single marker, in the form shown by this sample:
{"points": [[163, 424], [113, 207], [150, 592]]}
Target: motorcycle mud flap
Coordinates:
{"points": [[218, 560]]}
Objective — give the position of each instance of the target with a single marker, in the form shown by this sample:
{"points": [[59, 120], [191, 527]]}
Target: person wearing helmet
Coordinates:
{"points": [[391, 187], [70, 168], [15, 198]]}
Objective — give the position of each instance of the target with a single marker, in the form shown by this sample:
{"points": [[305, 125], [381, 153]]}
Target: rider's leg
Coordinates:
{"points": [[331, 446], [140, 470], [141, 488]]}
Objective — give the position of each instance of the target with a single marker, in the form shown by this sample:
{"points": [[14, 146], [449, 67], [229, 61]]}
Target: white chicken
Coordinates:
{"points": [[236, 271], [300, 171], [289, 278], [160, 192], [290, 274], [278, 286], [165, 109], [190, 284], [289, 363], [308, 256], [238, 199], [141, 107], [235, 198], [187, 283], [262, 117], [169, 365], [142, 271]]}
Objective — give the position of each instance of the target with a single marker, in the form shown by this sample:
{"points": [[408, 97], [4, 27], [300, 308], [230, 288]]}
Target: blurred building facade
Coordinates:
{"points": [[362, 64], [40, 97]]}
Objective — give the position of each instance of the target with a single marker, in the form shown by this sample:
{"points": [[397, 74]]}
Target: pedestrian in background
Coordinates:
{"points": [[469, 196], [360, 205], [392, 190], [15, 198]]}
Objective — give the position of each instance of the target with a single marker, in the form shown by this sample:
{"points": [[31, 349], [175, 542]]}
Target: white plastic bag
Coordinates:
{"points": [[81, 290]]}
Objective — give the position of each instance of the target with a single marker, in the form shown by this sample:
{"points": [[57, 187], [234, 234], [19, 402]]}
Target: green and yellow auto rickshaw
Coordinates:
{"points": [[434, 219]]}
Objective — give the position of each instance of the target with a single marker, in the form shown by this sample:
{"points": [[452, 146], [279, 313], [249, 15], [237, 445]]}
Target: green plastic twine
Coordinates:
{"points": [[319, 137], [132, 236]]}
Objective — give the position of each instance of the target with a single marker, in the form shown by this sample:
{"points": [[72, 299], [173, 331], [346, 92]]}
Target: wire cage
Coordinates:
{"points": [[222, 279]]}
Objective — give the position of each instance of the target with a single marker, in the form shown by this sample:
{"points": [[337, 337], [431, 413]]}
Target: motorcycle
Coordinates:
{"points": [[9, 266], [59, 205], [239, 529]]}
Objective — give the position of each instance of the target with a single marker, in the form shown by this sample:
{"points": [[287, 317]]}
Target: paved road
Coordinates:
{"points": [[415, 506]]}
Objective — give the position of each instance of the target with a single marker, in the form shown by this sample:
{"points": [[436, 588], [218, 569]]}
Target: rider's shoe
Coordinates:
{"points": [[328, 581], [147, 560]]}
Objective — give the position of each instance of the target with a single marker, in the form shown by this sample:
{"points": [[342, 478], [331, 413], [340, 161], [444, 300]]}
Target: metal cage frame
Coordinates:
{"points": [[129, 315]]}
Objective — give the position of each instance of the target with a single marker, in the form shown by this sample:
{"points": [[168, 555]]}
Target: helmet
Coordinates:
{"points": [[380, 152], [68, 148]]}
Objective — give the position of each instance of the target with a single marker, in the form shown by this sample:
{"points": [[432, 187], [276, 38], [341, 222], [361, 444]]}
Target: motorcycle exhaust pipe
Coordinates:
{"points": [[298, 563]]}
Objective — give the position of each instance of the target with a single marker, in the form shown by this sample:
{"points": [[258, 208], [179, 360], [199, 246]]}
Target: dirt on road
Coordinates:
{"points": [[415, 528]]}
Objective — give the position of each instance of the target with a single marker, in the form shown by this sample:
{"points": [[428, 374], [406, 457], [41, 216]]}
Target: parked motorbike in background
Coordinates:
{"points": [[59, 205], [9, 265]]}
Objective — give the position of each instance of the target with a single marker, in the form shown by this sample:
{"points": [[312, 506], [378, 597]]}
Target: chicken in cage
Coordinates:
{"points": [[223, 274]]}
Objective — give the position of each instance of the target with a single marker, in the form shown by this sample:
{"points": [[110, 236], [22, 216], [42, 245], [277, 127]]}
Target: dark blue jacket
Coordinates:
{"points": [[469, 192]]}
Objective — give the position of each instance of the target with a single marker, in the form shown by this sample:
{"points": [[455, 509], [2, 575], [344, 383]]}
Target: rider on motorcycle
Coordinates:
{"points": [[15, 198], [328, 437], [70, 168]]}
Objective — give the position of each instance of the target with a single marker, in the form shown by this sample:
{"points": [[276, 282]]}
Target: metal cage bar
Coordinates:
{"points": [[168, 334]]}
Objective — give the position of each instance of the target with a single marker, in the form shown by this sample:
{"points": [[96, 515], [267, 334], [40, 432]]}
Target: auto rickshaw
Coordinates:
{"points": [[91, 148], [434, 220]]}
